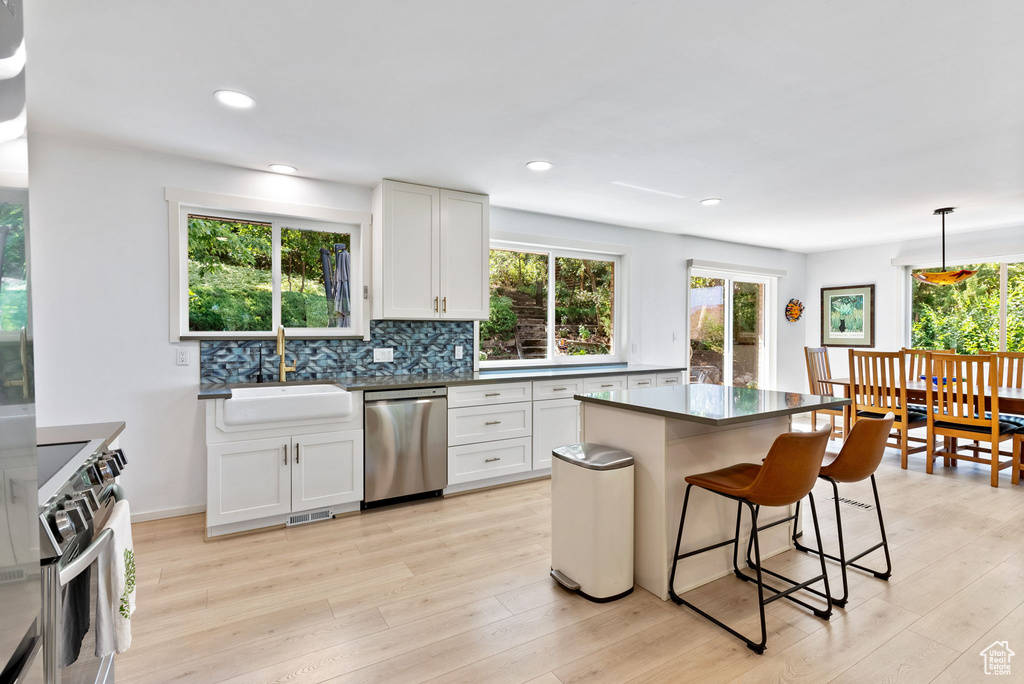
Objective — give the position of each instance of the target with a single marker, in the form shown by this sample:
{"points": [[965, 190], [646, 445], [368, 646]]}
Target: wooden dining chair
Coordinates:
{"points": [[957, 387], [1010, 373], [818, 369], [878, 385], [917, 364]]}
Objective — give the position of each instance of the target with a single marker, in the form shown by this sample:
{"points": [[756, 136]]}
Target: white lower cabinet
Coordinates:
{"points": [[556, 422], [471, 462], [328, 469], [260, 478], [642, 381], [670, 379]]}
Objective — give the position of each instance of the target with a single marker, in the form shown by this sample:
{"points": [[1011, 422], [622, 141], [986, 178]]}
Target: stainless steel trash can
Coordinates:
{"points": [[592, 520]]}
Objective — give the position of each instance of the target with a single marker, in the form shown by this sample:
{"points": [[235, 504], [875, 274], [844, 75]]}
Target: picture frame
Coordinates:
{"points": [[848, 316]]}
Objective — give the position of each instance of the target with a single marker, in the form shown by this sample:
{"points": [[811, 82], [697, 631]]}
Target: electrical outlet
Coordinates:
{"points": [[634, 347], [383, 355], [181, 356], [675, 336], [458, 351]]}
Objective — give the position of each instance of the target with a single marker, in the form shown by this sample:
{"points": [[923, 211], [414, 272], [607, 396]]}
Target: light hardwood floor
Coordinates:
{"points": [[457, 590]]}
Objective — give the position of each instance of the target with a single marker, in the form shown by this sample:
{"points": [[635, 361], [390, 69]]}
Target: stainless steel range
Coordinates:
{"points": [[76, 496]]}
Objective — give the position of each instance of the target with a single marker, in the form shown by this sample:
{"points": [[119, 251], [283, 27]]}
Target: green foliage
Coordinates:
{"points": [[965, 316], [230, 298], [502, 323]]}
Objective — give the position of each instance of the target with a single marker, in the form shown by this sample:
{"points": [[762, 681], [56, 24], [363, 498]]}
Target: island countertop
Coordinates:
{"points": [[713, 404]]}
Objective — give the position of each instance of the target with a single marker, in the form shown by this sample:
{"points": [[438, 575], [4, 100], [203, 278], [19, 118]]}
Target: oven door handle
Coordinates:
{"points": [[92, 552], [86, 558]]}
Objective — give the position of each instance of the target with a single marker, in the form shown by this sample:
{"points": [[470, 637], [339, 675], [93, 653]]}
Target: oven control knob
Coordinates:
{"points": [[118, 455], [106, 468], [65, 526]]}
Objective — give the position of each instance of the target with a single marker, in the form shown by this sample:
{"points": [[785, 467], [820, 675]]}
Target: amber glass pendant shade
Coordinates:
{"points": [[944, 277]]}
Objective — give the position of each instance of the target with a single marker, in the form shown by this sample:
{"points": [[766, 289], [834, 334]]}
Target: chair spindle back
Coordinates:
{"points": [[878, 382], [956, 387], [817, 370]]}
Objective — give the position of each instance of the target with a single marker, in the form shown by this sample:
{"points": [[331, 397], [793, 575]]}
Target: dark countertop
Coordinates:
{"points": [[86, 432], [220, 390], [713, 404]]}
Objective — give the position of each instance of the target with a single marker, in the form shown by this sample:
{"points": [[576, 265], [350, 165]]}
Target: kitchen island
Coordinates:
{"points": [[673, 432]]}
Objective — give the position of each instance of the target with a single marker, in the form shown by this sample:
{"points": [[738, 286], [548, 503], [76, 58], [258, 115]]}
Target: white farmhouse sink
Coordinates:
{"points": [[254, 405]]}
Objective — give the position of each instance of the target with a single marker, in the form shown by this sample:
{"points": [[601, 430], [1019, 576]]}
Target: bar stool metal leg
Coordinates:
{"points": [[823, 577], [755, 564], [843, 561], [756, 647]]}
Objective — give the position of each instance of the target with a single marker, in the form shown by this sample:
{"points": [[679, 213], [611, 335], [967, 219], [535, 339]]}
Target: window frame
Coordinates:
{"points": [[747, 274], [554, 248], [181, 203]]}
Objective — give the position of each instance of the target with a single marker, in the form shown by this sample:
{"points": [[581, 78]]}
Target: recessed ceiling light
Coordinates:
{"points": [[711, 201], [282, 168], [539, 165], [233, 98]]}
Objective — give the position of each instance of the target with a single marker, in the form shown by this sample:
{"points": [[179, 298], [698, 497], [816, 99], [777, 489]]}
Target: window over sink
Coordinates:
{"points": [[241, 272]]}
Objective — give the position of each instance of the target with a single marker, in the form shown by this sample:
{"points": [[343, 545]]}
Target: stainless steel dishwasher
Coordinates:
{"points": [[406, 449]]}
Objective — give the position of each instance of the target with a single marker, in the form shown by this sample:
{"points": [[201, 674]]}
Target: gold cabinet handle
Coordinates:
{"points": [[296, 453], [493, 422], [444, 305], [492, 460], [560, 389], [435, 304], [493, 394], [286, 454]]}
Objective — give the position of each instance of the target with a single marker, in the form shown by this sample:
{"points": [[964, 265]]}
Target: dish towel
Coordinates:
{"points": [[115, 602], [76, 617]]}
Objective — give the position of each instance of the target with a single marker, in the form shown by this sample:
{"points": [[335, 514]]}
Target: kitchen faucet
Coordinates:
{"points": [[284, 367]]}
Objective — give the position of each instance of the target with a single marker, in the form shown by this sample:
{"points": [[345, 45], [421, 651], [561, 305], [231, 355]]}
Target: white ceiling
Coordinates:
{"points": [[820, 124]]}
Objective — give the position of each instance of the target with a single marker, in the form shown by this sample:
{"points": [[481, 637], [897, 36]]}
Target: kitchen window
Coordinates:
{"points": [[983, 313], [552, 306], [240, 274]]}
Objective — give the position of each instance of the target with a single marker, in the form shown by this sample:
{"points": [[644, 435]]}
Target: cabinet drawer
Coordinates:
{"points": [[472, 424], [668, 379], [605, 383], [557, 389], [486, 395], [491, 459], [642, 381]]}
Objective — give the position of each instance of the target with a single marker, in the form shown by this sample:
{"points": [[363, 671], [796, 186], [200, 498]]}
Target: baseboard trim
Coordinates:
{"points": [[170, 513]]}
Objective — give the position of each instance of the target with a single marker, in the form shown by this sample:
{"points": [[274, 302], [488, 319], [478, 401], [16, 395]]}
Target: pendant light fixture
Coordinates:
{"points": [[944, 277]]}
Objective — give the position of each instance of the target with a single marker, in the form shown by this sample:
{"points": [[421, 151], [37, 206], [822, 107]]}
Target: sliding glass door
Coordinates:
{"points": [[728, 329]]}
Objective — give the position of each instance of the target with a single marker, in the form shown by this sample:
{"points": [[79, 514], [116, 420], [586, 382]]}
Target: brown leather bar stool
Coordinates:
{"points": [[857, 460], [786, 476]]}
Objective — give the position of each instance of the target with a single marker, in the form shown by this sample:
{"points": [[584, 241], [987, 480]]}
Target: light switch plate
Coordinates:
{"points": [[458, 351], [383, 355]]}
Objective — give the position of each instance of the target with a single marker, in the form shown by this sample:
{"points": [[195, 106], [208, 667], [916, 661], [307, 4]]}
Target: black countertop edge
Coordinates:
{"points": [[220, 390], [85, 432], [717, 422]]}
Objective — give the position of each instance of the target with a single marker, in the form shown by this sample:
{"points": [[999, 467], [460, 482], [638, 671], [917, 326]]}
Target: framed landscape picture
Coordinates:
{"points": [[848, 316]]}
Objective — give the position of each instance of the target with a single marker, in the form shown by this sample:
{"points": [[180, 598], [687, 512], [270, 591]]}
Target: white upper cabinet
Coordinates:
{"points": [[465, 256], [431, 250]]}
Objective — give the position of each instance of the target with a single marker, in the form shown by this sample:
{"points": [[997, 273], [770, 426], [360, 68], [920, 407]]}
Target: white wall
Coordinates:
{"points": [[100, 297], [658, 284], [99, 252], [873, 264]]}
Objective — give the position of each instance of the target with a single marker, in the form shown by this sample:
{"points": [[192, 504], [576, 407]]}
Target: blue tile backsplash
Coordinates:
{"points": [[420, 347]]}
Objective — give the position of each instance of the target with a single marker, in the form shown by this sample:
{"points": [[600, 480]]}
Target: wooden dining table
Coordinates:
{"points": [[1011, 399]]}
